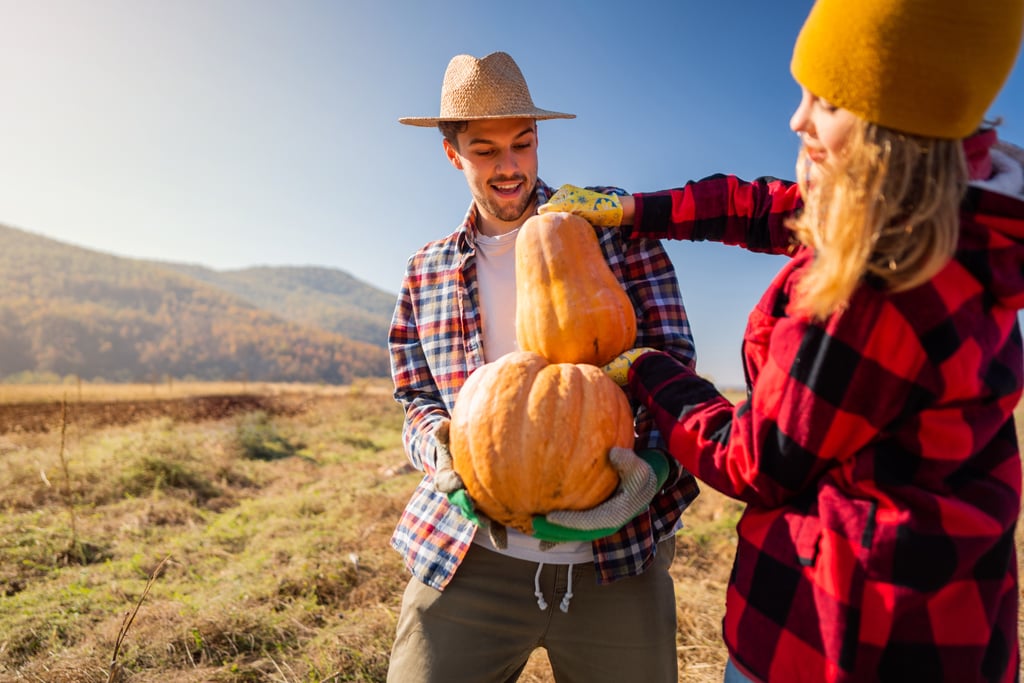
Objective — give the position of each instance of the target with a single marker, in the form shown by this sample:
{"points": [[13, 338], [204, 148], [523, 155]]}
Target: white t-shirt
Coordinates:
{"points": [[496, 279]]}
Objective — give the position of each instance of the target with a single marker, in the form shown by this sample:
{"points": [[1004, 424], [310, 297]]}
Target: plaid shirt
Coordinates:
{"points": [[876, 452], [436, 342]]}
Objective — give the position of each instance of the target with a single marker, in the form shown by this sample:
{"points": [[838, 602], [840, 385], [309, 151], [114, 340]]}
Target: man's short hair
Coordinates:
{"points": [[451, 129]]}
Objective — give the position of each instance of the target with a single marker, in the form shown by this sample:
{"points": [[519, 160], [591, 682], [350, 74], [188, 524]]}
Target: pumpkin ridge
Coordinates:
{"points": [[529, 436], [566, 421], [468, 437]]}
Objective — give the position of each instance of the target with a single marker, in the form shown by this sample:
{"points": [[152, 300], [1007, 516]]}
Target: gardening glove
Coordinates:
{"points": [[641, 476], [618, 368], [496, 531], [446, 479], [448, 482], [601, 210]]}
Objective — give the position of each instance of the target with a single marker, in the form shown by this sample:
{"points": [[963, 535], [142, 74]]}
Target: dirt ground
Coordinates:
{"points": [[46, 417]]}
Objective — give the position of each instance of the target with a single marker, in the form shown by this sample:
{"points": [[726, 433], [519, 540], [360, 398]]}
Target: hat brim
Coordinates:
{"points": [[537, 114]]}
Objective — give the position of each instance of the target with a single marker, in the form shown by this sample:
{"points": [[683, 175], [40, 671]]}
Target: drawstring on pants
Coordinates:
{"points": [[567, 598], [542, 604]]}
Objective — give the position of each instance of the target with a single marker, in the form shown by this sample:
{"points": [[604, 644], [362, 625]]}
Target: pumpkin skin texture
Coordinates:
{"points": [[570, 308], [528, 437]]}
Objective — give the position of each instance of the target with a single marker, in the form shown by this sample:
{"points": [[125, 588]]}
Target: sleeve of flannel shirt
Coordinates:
{"points": [[824, 394], [652, 285], [722, 208], [415, 388]]}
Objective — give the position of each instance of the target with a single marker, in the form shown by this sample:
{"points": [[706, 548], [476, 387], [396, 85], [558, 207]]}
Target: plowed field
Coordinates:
{"points": [[47, 416]]}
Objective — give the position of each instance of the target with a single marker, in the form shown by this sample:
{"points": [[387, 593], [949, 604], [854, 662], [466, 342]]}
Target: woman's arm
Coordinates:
{"points": [[719, 208], [825, 393]]}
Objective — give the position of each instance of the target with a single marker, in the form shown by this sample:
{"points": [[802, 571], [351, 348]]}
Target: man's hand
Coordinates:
{"points": [[448, 482], [446, 479], [618, 369], [641, 476], [601, 210]]}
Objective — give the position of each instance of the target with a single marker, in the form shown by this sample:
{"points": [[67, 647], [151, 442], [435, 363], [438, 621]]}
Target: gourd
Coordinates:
{"points": [[528, 437], [570, 308]]}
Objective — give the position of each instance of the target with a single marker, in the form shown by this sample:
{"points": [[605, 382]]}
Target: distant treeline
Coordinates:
{"points": [[71, 311]]}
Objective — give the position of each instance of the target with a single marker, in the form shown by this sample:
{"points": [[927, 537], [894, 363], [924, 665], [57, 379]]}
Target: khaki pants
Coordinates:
{"points": [[484, 625]]}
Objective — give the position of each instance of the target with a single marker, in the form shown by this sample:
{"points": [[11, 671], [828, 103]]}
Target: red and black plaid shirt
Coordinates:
{"points": [[876, 452]]}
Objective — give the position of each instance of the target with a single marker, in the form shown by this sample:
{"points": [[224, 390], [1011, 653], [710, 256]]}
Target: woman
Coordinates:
{"points": [[876, 449]]}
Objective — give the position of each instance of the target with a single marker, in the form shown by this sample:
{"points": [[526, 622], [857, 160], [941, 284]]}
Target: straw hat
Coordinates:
{"points": [[488, 88]]}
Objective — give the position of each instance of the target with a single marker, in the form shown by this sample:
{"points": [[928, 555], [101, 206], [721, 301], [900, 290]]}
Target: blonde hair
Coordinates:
{"points": [[889, 209]]}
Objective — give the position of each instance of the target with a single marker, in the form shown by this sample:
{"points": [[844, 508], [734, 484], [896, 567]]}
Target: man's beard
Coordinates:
{"points": [[508, 212]]}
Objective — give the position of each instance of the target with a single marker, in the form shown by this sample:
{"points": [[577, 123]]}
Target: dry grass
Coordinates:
{"points": [[277, 531], [74, 391]]}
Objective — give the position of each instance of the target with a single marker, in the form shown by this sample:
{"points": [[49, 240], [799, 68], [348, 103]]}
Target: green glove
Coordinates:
{"points": [[601, 210], [497, 532], [448, 482], [641, 476], [618, 369]]}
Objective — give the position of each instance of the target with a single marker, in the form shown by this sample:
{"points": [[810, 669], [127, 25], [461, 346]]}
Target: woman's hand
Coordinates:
{"points": [[601, 210]]}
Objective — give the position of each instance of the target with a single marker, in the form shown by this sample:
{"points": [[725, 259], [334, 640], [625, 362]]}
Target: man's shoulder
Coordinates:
{"points": [[449, 242], [439, 252]]}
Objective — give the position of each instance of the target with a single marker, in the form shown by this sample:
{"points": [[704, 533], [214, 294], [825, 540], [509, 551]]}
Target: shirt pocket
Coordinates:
{"points": [[807, 539], [838, 533]]}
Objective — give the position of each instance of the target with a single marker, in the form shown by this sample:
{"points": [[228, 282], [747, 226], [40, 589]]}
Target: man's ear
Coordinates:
{"points": [[453, 156]]}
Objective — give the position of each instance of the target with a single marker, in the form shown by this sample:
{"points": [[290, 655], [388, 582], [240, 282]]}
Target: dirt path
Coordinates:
{"points": [[45, 417]]}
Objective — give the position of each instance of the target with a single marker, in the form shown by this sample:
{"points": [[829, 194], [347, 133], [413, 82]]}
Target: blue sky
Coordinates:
{"points": [[233, 133]]}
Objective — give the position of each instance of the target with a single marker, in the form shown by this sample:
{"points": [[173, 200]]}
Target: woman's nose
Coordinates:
{"points": [[798, 121]]}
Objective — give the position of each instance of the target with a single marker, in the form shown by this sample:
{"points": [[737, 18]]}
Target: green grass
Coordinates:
{"points": [[279, 567]]}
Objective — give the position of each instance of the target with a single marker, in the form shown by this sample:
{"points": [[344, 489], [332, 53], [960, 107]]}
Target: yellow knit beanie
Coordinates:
{"points": [[925, 67]]}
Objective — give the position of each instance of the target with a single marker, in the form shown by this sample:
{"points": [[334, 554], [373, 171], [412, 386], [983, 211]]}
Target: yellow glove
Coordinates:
{"points": [[601, 210], [618, 369]]}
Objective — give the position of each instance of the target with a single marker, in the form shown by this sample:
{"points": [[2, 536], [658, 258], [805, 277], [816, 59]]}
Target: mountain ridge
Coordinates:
{"points": [[71, 310]]}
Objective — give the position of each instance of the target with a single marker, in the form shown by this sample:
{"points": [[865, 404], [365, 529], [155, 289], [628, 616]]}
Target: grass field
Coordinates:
{"points": [[270, 527]]}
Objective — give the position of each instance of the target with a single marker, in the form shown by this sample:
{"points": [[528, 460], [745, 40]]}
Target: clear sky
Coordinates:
{"points": [[233, 133]]}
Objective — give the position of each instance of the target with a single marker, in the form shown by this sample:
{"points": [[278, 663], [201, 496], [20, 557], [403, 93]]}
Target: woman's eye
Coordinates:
{"points": [[827, 106]]}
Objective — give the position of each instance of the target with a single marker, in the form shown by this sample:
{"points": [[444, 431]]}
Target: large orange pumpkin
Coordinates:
{"points": [[528, 437], [570, 308]]}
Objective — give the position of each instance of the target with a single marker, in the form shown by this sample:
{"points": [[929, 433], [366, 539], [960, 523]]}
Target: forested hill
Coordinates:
{"points": [[67, 310], [321, 297]]}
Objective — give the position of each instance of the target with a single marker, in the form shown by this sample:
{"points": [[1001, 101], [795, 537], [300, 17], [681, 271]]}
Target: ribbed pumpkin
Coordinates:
{"points": [[570, 308], [528, 437]]}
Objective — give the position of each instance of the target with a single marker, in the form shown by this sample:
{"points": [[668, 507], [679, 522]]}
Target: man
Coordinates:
{"points": [[479, 603]]}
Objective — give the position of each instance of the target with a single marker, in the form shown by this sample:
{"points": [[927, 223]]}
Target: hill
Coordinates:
{"points": [[66, 310], [319, 297]]}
